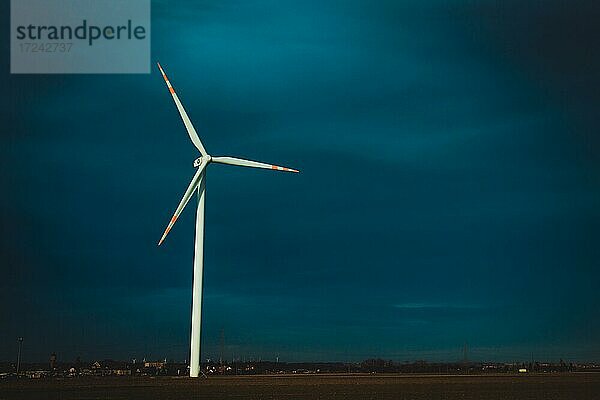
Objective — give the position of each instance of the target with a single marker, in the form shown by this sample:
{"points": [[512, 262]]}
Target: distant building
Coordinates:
{"points": [[155, 364], [121, 372], [52, 361]]}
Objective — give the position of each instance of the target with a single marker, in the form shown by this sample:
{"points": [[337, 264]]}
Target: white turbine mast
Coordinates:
{"points": [[198, 185]]}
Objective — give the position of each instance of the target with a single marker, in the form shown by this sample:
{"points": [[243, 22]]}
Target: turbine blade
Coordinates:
{"points": [[186, 120], [248, 163], [198, 176]]}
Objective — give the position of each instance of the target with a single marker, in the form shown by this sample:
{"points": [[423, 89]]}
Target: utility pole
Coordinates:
{"points": [[222, 350], [20, 340]]}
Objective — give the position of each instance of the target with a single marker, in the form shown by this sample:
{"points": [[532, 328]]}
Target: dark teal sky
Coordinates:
{"points": [[449, 190]]}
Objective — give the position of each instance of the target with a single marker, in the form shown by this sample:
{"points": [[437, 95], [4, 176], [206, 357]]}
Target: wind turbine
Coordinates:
{"points": [[198, 185]]}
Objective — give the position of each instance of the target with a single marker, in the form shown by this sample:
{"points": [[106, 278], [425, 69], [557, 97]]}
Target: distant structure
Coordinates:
{"points": [[52, 361], [222, 347], [20, 340]]}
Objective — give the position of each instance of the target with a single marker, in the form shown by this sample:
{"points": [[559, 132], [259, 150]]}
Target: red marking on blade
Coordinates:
{"points": [[273, 166], [171, 90], [173, 219], [166, 232]]}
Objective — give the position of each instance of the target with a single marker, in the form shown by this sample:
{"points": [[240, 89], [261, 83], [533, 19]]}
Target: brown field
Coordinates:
{"points": [[447, 387]]}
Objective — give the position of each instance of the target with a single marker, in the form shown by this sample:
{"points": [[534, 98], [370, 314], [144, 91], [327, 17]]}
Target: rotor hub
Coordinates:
{"points": [[198, 160]]}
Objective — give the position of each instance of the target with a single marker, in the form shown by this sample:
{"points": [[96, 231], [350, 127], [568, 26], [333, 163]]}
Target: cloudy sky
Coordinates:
{"points": [[449, 191]]}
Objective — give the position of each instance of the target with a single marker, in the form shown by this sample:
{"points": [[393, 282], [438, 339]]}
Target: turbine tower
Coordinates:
{"points": [[198, 185]]}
